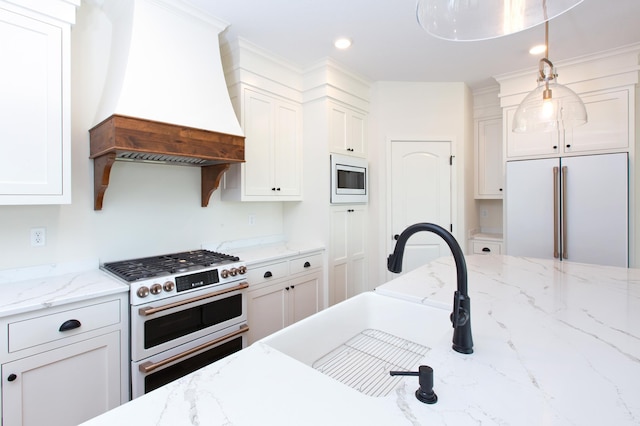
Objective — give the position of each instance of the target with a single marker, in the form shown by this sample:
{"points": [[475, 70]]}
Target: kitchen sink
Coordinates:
{"points": [[360, 340]]}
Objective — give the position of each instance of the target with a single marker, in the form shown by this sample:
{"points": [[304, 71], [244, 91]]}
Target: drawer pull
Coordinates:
{"points": [[268, 274], [486, 249], [70, 325], [307, 265]]}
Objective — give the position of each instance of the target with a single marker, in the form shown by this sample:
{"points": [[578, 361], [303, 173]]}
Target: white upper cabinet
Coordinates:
{"points": [[35, 157], [347, 130], [488, 154], [607, 130], [273, 150]]}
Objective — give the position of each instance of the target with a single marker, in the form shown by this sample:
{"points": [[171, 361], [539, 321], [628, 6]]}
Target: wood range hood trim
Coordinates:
{"points": [[126, 138]]}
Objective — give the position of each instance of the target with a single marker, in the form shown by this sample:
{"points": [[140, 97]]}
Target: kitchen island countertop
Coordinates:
{"points": [[555, 343]]}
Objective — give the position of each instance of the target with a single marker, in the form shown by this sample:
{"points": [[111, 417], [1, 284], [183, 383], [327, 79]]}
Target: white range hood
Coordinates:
{"points": [[165, 98]]}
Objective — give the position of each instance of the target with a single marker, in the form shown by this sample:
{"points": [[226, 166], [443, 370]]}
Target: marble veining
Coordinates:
{"points": [[555, 343]]}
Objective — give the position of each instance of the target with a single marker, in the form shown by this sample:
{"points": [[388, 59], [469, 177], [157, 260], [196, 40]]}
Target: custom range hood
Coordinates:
{"points": [[165, 99]]}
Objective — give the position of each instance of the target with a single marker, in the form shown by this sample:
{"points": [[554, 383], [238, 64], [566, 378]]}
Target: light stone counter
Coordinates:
{"points": [[555, 344], [32, 288]]}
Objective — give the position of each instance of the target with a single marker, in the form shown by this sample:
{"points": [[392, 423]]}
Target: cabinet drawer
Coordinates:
{"points": [[305, 263], [263, 274], [36, 331], [484, 247]]}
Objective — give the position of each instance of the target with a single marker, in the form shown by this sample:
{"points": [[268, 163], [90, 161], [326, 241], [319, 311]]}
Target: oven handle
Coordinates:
{"points": [[148, 367], [149, 310]]}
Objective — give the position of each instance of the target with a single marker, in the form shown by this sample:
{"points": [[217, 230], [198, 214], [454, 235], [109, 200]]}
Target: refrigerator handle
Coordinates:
{"points": [[555, 213], [563, 190]]}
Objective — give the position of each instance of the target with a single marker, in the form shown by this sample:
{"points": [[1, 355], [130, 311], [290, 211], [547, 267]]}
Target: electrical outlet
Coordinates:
{"points": [[252, 219], [484, 213], [38, 237]]}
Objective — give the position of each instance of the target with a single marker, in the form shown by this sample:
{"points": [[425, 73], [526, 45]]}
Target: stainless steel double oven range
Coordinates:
{"points": [[187, 310]]}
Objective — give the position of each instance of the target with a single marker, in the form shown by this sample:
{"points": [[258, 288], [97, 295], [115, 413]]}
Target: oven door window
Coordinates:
{"points": [[168, 374], [169, 327]]}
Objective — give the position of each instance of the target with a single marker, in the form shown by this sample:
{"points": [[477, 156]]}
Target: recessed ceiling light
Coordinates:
{"points": [[538, 49], [342, 43]]}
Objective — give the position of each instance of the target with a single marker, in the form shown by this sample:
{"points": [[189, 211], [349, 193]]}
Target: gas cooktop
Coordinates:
{"points": [[167, 264]]}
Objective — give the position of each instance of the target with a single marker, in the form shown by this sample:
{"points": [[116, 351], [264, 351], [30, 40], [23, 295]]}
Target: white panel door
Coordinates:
{"points": [[595, 206], [420, 192], [529, 213]]}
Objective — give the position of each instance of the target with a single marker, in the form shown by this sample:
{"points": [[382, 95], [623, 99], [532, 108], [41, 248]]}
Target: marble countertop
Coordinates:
{"points": [[29, 289], [262, 250], [555, 343]]}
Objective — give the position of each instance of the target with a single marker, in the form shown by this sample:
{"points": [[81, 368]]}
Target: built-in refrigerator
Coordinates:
{"points": [[570, 208]]}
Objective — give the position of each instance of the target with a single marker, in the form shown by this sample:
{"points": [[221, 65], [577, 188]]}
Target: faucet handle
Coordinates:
{"points": [[459, 316]]}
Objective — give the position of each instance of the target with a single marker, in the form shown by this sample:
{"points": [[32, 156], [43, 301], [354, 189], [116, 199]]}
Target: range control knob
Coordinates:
{"points": [[224, 273], [169, 286], [143, 291], [156, 289], [242, 270], [233, 272]]}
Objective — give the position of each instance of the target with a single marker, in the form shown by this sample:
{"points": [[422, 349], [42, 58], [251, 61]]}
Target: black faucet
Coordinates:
{"points": [[461, 315]]}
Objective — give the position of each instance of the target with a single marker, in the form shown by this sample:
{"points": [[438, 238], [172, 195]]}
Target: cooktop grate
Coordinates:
{"points": [[364, 361], [155, 266]]}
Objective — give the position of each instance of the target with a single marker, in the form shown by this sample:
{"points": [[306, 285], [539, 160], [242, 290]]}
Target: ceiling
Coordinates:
{"points": [[389, 44]]}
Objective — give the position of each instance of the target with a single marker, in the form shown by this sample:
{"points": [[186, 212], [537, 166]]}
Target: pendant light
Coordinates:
{"points": [[469, 20], [551, 106]]}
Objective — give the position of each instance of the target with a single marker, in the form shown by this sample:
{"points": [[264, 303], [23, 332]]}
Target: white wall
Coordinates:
{"points": [[148, 209], [418, 110]]}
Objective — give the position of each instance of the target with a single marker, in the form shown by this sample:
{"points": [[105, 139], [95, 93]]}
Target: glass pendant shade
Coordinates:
{"points": [[469, 20], [540, 113]]}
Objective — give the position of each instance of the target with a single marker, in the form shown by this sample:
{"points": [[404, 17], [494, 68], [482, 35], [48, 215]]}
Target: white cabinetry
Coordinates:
{"points": [[488, 155], [35, 147], [607, 130], [273, 149], [480, 245], [347, 130], [64, 365], [348, 252], [283, 292]]}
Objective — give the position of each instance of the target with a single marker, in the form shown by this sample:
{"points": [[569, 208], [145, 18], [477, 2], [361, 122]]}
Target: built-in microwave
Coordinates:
{"points": [[349, 180]]}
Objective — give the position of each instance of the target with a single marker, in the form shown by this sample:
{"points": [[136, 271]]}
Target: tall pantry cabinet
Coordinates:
{"points": [[587, 172], [336, 120]]}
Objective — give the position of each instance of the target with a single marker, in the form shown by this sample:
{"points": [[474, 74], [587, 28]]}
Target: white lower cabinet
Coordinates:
{"points": [[66, 365], [348, 252], [283, 292]]}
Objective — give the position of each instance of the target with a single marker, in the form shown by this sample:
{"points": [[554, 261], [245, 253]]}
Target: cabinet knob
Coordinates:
{"points": [[568, 145], [70, 325], [268, 274], [12, 377], [500, 189], [395, 237], [307, 265], [350, 210], [486, 249], [555, 147], [286, 288], [292, 287], [273, 189]]}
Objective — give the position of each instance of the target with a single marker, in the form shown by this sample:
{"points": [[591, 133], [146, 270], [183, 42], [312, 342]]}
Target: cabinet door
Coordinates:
{"points": [[521, 145], [488, 146], [65, 386], [287, 164], [607, 126], [348, 252], [266, 311], [304, 297], [347, 131], [258, 125], [34, 145]]}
